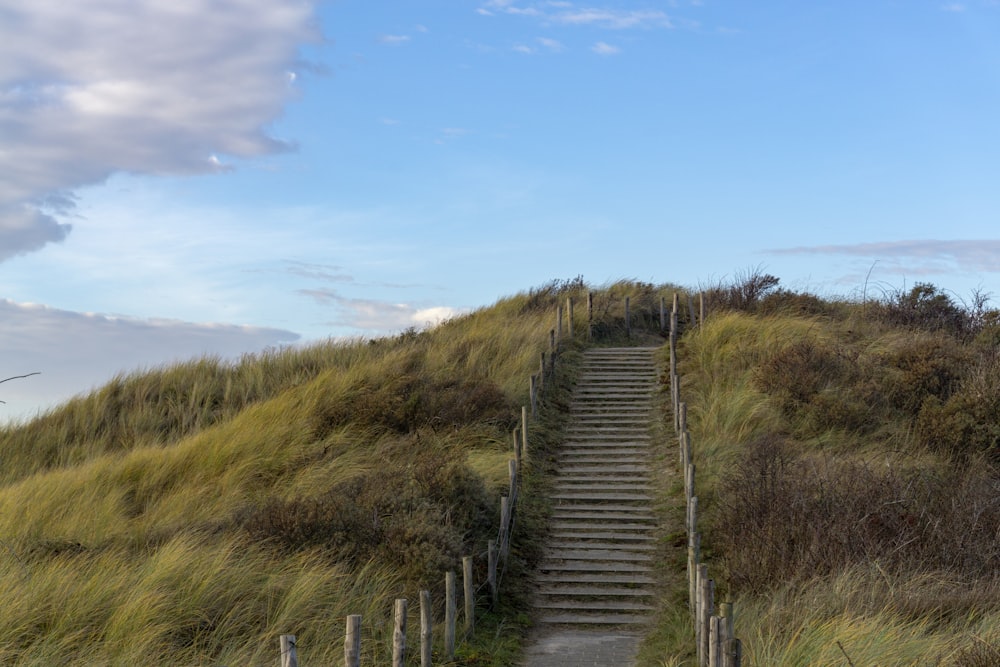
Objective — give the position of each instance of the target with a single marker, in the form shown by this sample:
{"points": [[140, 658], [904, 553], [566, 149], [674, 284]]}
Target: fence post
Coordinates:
{"points": [[512, 475], [470, 599], [426, 629], [533, 391], [569, 314], [352, 642], [524, 432], [541, 372], [504, 526], [449, 615], [289, 658], [714, 638], [590, 315], [399, 635], [491, 568]]}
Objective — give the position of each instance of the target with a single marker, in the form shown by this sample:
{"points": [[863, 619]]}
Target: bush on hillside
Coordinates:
{"points": [[782, 516], [415, 513]]}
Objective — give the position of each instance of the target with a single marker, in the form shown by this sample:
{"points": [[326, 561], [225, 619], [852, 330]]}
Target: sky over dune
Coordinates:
{"points": [[196, 176]]}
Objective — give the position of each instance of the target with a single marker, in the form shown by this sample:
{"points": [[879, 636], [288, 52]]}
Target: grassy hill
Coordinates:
{"points": [[848, 457], [191, 514], [848, 471]]}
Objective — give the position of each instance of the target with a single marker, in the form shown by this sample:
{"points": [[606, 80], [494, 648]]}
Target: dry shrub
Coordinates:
{"points": [[411, 401], [415, 513], [927, 308], [967, 421], [781, 516], [981, 653]]}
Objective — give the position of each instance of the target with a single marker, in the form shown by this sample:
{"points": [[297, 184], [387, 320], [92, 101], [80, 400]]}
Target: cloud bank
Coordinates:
{"points": [[93, 87], [920, 257], [77, 351]]}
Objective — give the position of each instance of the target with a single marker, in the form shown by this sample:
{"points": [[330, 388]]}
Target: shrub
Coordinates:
{"points": [[786, 517]]}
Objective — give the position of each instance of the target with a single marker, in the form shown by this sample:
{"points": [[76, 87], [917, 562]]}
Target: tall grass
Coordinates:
{"points": [[190, 514], [847, 475]]}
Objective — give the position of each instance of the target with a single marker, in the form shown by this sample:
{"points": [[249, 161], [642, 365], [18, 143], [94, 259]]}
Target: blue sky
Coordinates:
{"points": [[189, 176]]}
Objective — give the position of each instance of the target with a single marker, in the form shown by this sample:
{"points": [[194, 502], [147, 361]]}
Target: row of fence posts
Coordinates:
{"points": [[713, 629], [497, 553]]}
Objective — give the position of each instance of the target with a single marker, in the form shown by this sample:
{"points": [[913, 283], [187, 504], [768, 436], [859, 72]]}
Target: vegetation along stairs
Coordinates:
{"points": [[595, 584]]}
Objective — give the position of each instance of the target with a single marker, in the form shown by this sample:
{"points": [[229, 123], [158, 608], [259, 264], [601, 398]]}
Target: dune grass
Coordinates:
{"points": [[848, 477]]}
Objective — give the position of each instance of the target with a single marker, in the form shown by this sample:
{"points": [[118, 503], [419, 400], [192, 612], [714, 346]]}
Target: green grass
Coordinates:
{"points": [[191, 514], [848, 478]]}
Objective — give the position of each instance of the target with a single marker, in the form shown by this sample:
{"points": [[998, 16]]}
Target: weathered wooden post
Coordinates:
{"points": [[541, 372], [399, 634], [470, 596], [524, 432], [533, 395], [289, 657], [714, 642], [504, 526], [491, 576], [426, 629], [590, 315], [569, 313], [512, 475], [352, 642], [517, 446], [450, 612]]}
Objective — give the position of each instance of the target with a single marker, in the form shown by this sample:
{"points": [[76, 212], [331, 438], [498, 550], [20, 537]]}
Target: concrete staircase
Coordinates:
{"points": [[596, 576]]}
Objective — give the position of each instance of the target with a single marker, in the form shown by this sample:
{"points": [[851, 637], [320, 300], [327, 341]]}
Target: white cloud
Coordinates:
{"points": [[522, 48], [393, 40], [920, 257], [75, 352], [551, 44], [379, 317], [94, 87], [612, 18], [604, 49], [953, 7]]}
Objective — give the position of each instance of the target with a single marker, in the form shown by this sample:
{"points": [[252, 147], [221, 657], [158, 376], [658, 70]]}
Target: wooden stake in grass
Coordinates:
{"points": [[426, 629], [399, 634], [289, 658], [470, 599], [352, 642], [449, 615]]}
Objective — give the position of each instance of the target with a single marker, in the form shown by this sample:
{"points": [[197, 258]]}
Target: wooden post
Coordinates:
{"points": [[399, 635], [533, 395], [734, 653], [449, 615], [552, 344], [569, 313], [504, 526], [541, 372], [352, 642], [491, 569], [714, 648], [559, 320], [524, 432], [426, 629], [692, 515], [517, 447], [692, 577], [289, 658], [590, 315], [683, 416], [707, 610], [677, 402], [699, 605], [512, 475], [628, 319], [470, 596]]}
